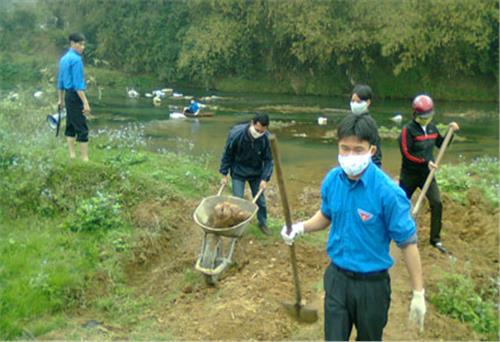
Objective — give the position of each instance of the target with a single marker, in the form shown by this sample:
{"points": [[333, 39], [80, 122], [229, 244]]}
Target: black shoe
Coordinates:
{"points": [[439, 246], [264, 229]]}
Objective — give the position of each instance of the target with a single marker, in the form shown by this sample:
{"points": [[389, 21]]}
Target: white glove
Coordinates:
{"points": [[418, 309], [297, 230]]}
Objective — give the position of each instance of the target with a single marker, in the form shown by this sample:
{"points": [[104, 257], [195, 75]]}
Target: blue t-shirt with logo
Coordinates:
{"points": [[365, 216]]}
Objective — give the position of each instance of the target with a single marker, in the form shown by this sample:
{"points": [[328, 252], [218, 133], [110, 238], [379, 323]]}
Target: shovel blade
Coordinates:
{"points": [[301, 313]]}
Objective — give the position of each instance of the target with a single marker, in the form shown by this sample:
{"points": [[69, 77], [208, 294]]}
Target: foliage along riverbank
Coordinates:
{"points": [[446, 48]]}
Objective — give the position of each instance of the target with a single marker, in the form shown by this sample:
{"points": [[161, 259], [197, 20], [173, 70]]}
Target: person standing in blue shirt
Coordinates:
{"points": [[365, 210], [71, 90], [247, 156]]}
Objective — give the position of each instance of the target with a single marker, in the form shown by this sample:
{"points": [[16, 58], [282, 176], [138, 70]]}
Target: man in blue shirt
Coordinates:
{"points": [[71, 89], [365, 210], [193, 109], [247, 156]]}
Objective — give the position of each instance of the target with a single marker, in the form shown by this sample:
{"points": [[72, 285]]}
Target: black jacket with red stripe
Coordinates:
{"points": [[417, 146]]}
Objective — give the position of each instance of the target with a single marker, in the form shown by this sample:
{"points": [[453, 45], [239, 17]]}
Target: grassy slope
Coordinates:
{"points": [[46, 267]]}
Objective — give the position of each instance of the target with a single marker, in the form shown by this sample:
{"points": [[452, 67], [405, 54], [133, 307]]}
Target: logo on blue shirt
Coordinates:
{"points": [[364, 215]]}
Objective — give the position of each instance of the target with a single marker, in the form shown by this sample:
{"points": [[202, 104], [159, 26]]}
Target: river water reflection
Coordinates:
{"points": [[307, 149]]}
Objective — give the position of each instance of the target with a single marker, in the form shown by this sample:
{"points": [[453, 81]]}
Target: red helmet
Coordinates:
{"points": [[422, 105]]}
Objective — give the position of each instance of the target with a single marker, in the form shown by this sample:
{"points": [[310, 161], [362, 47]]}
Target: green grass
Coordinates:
{"points": [[482, 174], [67, 227], [45, 269], [457, 297]]}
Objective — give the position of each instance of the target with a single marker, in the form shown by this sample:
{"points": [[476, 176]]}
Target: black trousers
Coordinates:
{"points": [[409, 183], [359, 300], [76, 123]]}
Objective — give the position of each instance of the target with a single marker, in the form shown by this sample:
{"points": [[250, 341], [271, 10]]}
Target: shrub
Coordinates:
{"points": [[482, 173], [101, 212], [456, 297]]}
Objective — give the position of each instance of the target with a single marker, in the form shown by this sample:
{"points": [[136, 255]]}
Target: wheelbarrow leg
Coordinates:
{"points": [[211, 257], [232, 244]]}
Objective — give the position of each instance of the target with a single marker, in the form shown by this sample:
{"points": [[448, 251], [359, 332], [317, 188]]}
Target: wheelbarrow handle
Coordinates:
{"points": [[257, 196], [254, 199], [221, 189]]}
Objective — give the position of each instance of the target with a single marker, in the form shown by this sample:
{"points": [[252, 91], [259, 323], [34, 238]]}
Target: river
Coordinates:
{"points": [[307, 149]]}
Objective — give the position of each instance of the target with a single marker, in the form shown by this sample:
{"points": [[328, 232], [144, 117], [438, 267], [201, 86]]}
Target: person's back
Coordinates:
{"points": [[194, 107]]}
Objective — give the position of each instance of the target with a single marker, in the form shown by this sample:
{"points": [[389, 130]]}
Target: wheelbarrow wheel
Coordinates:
{"points": [[211, 280], [212, 257]]}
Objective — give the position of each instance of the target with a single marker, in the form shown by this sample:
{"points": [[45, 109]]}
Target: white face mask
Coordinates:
{"points": [[254, 133], [359, 107], [354, 165]]}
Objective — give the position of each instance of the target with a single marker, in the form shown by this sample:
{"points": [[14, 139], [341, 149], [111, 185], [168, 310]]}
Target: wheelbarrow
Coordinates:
{"points": [[219, 243]]}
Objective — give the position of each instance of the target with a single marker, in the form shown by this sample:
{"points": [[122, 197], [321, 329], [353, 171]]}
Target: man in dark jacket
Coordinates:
{"points": [[417, 141], [247, 157]]}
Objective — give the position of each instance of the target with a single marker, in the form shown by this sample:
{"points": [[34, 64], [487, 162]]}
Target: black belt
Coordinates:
{"points": [[362, 275]]}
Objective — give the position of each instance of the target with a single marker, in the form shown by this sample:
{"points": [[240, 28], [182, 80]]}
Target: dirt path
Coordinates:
{"points": [[246, 304]]}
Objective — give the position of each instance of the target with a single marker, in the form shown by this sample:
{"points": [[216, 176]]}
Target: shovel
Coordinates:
{"points": [[428, 181], [298, 311]]}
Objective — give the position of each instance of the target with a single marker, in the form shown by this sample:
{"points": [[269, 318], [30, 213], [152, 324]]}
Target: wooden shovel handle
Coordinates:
{"points": [[428, 181], [288, 216], [281, 183]]}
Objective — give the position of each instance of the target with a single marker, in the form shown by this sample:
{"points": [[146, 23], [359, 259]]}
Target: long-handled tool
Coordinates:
{"points": [[428, 181], [59, 112], [296, 310]]}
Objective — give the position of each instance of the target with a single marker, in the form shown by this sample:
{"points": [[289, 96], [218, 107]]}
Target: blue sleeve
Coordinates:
{"points": [[60, 83], [228, 155], [77, 74], [325, 200], [398, 219], [268, 162]]}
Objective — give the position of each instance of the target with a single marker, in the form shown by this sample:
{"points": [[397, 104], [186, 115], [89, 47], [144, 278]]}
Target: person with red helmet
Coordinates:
{"points": [[416, 142]]}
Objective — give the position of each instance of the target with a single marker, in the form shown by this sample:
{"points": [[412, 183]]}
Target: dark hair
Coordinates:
{"points": [[361, 126], [263, 118], [76, 37], [363, 91]]}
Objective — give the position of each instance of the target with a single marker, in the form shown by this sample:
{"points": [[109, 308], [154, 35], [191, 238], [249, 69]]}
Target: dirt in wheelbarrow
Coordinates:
{"points": [[227, 214], [246, 302]]}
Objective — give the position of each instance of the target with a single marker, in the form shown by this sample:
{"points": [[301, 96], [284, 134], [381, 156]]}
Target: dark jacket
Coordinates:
{"points": [[417, 146], [377, 157], [246, 157]]}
